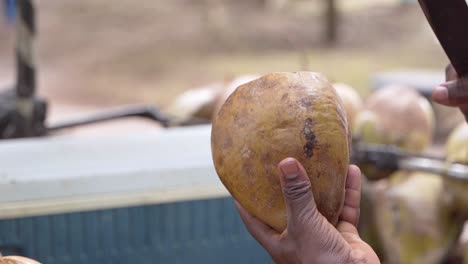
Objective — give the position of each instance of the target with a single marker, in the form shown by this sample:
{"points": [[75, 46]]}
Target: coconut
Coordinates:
{"points": [[352, 101], [405, 118], [229, 88], [277, 116], [194, 103], [415, 218], [457, 144], [17, 260], [457, 152], [462, 249], [366, 127], [395, 115], [368, 230]]}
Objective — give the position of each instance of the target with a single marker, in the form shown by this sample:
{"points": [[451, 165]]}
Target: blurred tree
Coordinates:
{"points": [[216, 18], [272, 5], [331, 22]]}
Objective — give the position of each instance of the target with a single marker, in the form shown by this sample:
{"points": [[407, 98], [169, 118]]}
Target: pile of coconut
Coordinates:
{"points": [[406, 216]]}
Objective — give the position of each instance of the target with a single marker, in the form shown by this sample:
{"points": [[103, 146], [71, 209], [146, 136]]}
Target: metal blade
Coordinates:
{"points": [[455, 171], [389, 157], [449, 21]]}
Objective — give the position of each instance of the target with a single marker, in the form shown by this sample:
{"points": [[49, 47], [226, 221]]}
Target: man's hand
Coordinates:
{"points": [[454, 92], [309, 237]]}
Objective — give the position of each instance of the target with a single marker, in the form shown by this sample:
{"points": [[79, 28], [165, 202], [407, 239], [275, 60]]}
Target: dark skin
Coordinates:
{"points": [[309, 237], [454, 92]]}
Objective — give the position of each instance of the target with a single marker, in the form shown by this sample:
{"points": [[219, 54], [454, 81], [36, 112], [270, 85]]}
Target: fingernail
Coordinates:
{"points": [[440, 94], [290, 169]]}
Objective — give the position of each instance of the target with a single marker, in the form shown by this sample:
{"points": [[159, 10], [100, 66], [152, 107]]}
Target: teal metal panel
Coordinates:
{"points": [[206, 231]]}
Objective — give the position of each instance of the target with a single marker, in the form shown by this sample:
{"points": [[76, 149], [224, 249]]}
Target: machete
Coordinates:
{"points": [[449, 21]]}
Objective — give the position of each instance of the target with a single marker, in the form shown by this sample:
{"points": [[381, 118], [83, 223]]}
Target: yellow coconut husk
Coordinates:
{"points": [[395, 115], [457, 152], [277, 116], [352, 101], [415, 219], [17, 260]]}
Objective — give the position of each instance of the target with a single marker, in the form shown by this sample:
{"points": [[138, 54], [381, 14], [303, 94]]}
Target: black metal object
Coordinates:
{"points": [[25, 68], [449, 20], [10, 119], [22, 114], [140, 111], [391, 158], [148, 112]]}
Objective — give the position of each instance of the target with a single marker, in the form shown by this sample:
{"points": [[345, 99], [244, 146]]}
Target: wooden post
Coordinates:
{"points": [[25, 65], [331, 22]]}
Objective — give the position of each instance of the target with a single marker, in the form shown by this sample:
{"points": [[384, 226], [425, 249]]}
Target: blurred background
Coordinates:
{"points": [[98, 53]]}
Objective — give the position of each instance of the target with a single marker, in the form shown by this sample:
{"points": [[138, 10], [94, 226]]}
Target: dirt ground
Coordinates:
{"points": [[100, 53]]}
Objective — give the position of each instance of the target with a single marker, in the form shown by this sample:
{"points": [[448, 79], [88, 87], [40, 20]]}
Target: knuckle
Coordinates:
{"points": [[450, 73], [458, 92], [462, 85], [296, 190], [447, 68]]}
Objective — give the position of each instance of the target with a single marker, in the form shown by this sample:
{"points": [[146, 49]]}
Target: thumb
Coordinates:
{"points": [[298, 198]]}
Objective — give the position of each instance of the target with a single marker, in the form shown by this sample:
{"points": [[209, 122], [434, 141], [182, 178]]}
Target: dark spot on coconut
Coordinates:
{"points": [[309, 149], [310, 138], [305, 102], [261, 134], [284, 97]]}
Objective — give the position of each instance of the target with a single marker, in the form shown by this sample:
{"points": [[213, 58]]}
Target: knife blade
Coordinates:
{"points": [[449, 21]]}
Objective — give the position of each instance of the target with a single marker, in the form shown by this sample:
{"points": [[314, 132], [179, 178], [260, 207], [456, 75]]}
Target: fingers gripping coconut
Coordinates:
{"points": [[280, 146], [17, 260], [354, 106], [277, 116]]}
